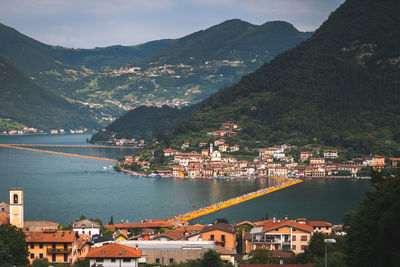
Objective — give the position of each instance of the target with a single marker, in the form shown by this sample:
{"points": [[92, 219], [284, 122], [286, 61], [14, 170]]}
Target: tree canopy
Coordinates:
{"points": [[13, 249]]}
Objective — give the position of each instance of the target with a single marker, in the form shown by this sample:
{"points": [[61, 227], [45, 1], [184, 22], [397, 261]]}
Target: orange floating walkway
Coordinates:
{"points": [[72, 146], [237, 200], [58, 153]]}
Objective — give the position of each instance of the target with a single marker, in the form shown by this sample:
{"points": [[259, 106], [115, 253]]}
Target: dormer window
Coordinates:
{"points": [[15, 198]]}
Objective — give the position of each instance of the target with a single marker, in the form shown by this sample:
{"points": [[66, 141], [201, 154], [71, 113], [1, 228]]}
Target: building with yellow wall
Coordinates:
{"points": [[55, 246]]}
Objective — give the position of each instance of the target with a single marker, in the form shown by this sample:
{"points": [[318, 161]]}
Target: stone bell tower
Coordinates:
{"points": [[17, 206]]}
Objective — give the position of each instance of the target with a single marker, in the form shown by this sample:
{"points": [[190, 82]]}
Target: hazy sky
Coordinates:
{"points": [[98, 23]]}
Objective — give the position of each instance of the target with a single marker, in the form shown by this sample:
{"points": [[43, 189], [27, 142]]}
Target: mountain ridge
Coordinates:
{"points": [[338, 88]]}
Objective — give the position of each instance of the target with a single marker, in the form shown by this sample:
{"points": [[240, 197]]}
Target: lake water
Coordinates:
{"points": [[61, 188]]}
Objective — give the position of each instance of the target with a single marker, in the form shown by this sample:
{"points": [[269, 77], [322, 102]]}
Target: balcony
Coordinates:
{"points": [[59, 250], [220, 243], [271, 241]]}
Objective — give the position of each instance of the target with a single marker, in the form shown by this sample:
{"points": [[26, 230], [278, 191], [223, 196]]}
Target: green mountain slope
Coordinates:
{"points": [[339, 88], [232, 40], [34, 57], [144, 123], [114, 79], [24, 101]]}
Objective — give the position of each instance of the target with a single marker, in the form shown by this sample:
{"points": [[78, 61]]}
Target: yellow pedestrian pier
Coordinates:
{"points": [[57, 153], [237, 200]]}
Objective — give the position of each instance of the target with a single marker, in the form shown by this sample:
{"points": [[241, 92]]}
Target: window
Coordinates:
{"points": [[157, 260], [303, 238], [99, 260], [32, 255], [294, 229], [126, 260], [223, 238], [212, 237], [2, 209], [32, 245], [41, 255], [293, 238], [53, 257], [319, 227], [327, 228], [303, 247], [112, 260], [65, 257], [40, 245], [15, 198], [171, 260], [90, 233], [294, 247]]}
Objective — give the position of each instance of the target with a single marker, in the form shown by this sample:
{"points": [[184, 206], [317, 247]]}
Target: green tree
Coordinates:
{"points": [[117, 167], [373, 229], [211, 259], [40, 263], [315, 251], [111, 222], [261, 256], [12, 243]]}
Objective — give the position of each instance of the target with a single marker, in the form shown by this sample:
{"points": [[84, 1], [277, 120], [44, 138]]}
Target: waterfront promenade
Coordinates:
{"points": [[237, 200]]}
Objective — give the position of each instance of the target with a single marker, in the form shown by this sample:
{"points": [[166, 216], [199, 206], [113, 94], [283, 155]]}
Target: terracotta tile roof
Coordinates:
{"points": [[245, 222], [82, 241], [225, 251], [114, 251], [194, 228], [176, 234], [319, 223], [50, 236], [280, 254], [271, 224], [36, 226], [220, 226]]}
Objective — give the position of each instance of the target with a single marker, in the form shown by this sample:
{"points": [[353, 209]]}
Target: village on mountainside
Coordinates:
{"points": [[161, 242], [219, 159]]}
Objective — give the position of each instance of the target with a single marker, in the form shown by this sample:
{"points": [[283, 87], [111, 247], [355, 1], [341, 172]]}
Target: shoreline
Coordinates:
{"points": [[245, 177]]}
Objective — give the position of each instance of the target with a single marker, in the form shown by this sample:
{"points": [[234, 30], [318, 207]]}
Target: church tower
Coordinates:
{"points": [[17, 207]]}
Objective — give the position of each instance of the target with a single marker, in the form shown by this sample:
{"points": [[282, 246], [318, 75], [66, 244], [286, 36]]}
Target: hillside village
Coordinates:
{"points": [[160, 242], [219, 159]]}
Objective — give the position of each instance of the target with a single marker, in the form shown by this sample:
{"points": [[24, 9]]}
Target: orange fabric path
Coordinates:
{"points": [[72, 146], [236, 200], [58, 153]]}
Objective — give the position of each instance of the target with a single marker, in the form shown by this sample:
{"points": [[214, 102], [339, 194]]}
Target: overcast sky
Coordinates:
{"points": [[99, 23]]}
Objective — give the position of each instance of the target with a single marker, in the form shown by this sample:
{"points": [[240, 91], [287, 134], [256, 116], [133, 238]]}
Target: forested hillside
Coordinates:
{"points": [[144, 123], [22, 100], [232, 40], [339, 88]]}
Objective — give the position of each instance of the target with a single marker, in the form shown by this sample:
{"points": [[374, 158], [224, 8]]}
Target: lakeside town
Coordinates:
{"points": [[221, 159], [160, 242]]}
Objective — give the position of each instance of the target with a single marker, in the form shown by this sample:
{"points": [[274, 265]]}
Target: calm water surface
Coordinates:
{"points": [[61, 188]]}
